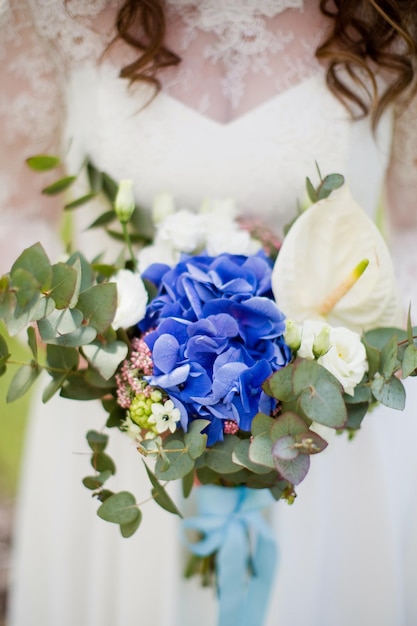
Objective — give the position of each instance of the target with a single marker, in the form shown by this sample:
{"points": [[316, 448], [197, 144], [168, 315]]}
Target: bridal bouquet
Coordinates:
{"points": [[224, 355]]}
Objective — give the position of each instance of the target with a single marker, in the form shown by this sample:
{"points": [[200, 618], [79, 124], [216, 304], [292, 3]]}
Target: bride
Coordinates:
{"points": [[214, 99]]}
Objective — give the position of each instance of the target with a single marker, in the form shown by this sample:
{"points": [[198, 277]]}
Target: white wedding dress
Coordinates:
{"points": [[251, 127]]}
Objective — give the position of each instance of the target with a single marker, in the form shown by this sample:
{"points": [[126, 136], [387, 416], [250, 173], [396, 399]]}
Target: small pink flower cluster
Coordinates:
{"points": [[230, 427], [270, 241], [130, 380]]}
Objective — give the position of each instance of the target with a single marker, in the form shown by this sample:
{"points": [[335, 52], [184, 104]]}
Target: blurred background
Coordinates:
{"points": [[13, 418]]}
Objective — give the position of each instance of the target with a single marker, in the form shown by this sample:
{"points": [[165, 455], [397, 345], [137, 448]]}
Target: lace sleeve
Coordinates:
{"points": [[30, 117], [402, 202]]}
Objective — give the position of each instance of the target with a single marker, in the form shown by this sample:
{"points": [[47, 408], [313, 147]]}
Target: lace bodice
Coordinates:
{"points": [[246, 113]]}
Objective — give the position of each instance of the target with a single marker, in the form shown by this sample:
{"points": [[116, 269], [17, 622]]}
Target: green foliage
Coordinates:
{"points": [[43, 162], [59, 186]]}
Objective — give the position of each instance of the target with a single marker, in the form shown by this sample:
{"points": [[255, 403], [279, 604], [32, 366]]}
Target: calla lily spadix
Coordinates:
{"points": [[335, 265]]}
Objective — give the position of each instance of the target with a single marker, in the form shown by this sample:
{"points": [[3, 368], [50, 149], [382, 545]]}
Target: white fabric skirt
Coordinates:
{"points": [[348, 545]]}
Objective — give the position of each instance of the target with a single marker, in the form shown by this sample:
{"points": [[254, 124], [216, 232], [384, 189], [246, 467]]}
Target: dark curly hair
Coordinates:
{"points": [[366, 37]]}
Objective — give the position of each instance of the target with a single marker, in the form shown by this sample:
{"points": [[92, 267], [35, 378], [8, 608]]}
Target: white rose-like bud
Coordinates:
{"points": [[346, 358], [183, 231], [292, 335], [311, 329], [124, 204], [163, 205], [132, 298]]}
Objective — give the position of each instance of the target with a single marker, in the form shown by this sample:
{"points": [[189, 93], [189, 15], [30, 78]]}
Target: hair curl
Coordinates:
{"points": [[366, 37]]}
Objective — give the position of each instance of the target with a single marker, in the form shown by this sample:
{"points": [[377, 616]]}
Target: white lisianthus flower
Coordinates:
{"points": [[132, 299], [346, 358], [230, 238], [163, 205], [183, 231], [157, 253], [223, 233], [165, 416]]}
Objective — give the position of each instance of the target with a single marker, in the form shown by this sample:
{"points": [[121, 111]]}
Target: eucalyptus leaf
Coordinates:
{"points": [[373, 356], [130, 528], [260, 451], [95, 482], [32, 342], [280, 385], [84, 271], [4, 348], [160, 495], [219, 456], [194, 439], [7, 298], [35, 261], [26, 287], [22, 381], [311, 191], [329, 184], [323, 403], [41, 308], [241, 457], [284, 448], [102, 462], [52, 387], [180, 463], [106, 358], [61, 360], [97, 441], [77, 388], [389, 360], [60, 323], [120, 508], [261, 424], [389, 392], [98, 304], [188, 483], [64, 284], [409, 363], [79, 337], [95, 379], [288, 423], [294, 470], [321, 397], [356, 413], [361, 393]]}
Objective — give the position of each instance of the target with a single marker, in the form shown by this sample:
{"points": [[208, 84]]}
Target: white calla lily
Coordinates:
{"points": [[335, 265]]}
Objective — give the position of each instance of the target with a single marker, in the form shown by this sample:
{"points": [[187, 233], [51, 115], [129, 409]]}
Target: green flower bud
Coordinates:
{"points": [[321, 343], [292, 335], [124, 204]]}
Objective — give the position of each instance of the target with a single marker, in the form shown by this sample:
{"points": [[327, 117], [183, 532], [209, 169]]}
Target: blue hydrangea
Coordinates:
{"points": [[217, 337]]}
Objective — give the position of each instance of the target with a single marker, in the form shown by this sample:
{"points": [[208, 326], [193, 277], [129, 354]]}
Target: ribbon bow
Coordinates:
{"points": [[231, 523]]}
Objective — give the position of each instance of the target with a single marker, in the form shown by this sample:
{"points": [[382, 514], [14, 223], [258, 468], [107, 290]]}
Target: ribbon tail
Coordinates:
{"points": [[232, 578], [261, 582]]}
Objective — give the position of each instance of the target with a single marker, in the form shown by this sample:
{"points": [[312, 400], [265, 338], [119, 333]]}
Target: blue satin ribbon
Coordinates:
{"points": [[231, 523]]}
